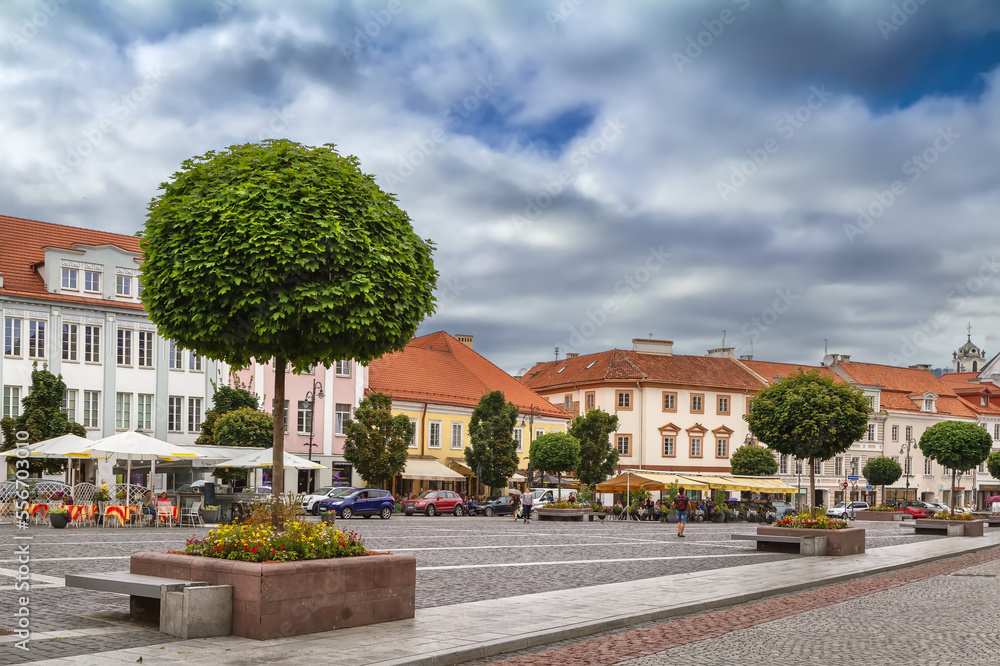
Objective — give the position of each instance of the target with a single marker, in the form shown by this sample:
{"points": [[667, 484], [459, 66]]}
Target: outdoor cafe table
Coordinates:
{"points": [[120, 513], [41, 509], [78, 511]]}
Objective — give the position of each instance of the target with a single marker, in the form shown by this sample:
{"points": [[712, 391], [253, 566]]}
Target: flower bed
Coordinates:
{"points": [[970, 526], [250, 542], [807, 522], [945, 515], [839, 541]]}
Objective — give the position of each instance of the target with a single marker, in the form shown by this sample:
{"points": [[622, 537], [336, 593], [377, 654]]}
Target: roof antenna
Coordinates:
{"points": [[557, 353], [723, 337], [826, 347], [751, 347]]}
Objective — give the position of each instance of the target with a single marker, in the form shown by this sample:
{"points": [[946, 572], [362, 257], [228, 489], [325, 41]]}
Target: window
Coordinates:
{"points": [[624, 443], [194, 414], [519, 439], [909, 433], [413, 440], [996, 431], [696, 447], [11, 336], [145, 412], [624, 400], [872, 432], [36, 339], [91, 281], [783, 464], [723, 407], [928, 466], [91, 403], [669, 444], [11, 402], [174, 405], [721, 448], [194, 362], [538, 433], [123, 286], [435, 435], [798, 466], [567, 402], [589, 400], [304, 417], [669, 401], [123, 410], [871, 402], [284, 415], [343, 368], [838, 466], [928, 405], [855, 465], [69, 342], [456, 435], [69, 405], [124, 347], [145, 349], [895, 433], [983, 401], [92, 344], [175, 356], [342, 412], [697, 403], [69, 277]]}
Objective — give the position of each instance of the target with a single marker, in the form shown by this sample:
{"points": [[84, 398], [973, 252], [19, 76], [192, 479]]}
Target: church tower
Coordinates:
{"points": [[969, 357]]}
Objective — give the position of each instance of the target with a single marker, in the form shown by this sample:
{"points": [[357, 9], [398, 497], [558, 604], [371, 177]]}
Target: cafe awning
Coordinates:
{"points": [[430, 470], [459, 467], [644, 480]]}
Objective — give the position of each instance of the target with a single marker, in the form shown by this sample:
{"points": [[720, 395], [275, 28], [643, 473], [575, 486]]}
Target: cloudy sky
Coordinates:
{"points": [[789, 172]]}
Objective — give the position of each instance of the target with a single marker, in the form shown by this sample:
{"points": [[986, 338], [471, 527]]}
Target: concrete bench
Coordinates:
{"points": [[183, 608], [993, 521], [945, 530], [776, 543]]}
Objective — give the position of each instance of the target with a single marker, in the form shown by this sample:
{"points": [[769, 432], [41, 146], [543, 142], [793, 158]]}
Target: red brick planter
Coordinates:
{"points": [[884, 516], [293, 598], [562, 514], [838, 542], [973, 528]]}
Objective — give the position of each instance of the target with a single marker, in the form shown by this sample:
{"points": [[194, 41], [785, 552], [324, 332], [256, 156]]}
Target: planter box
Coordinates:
{"points": [[838, 542], [294, 598], [562, 514], [970, 528], [884, 516]]}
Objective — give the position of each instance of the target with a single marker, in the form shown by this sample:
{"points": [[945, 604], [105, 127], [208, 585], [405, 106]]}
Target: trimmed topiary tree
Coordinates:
{"points": [[958, 445], [883, 472], [750, 460], [244, 427], [556, 453], [993, 464]]}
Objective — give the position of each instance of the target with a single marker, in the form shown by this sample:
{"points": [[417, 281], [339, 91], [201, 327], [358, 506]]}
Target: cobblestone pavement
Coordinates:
{"points": [[458, 560], [940, 613]]}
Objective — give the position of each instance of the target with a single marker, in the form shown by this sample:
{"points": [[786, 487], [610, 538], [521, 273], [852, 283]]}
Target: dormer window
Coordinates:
{"points": [[983, 401], [69, 278], [928, 404], [92, 281], [123, 286]]}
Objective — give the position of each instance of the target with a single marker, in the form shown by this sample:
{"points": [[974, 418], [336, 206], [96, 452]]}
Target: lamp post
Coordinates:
{"points": [[311, 395], [531, 436], [910, 442]]}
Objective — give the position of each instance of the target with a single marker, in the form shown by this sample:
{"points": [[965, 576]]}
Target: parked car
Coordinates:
{"points": [[914, 511], [309, 501], [839, 509], [927, 508], [365, 502], [434, 502], [498, 506]]}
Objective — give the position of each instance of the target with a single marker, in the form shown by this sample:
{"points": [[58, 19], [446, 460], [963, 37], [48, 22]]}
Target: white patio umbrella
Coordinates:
{"points": [[265, 458], [136, 444], [64, 446]]}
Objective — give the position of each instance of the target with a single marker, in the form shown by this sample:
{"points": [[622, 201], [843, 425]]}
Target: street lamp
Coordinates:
{"points": [[531, 436], [910, 443], [315, 392], [750, 440]]}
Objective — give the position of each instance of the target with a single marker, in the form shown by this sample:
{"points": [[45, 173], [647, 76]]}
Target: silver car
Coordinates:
{"points": [[309, 501], [839, 509]]}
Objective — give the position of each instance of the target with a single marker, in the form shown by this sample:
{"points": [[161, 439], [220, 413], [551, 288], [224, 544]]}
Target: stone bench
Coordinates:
{"points": [[774, 543], [944, 530], [183, 608], [993, 521]]}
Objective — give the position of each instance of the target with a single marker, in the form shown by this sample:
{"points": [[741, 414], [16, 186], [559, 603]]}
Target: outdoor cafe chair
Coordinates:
{"points": [[165, 513], [192, 514]]}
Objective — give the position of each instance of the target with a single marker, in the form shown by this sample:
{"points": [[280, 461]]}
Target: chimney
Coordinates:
{"points": [[465, 340], [571, 355], [649, 346], [746, 357], [920, 366], [721, 352]]}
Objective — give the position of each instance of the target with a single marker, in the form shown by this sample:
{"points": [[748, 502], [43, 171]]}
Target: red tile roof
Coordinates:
{"points": [[899, 385], [971, 392], [769, 370], [438, 368], [617, 364], [22, 249]]}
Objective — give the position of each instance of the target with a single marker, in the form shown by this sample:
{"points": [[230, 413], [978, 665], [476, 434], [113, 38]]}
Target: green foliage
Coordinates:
{"points": [[555, 452], [959, 445], [882, 471], [376, 441], [810, 416], [42, 418], [244, 427], [276, 250], [635, 496], [226, 399], [207, 435], [753, 461], [229, 474], [493, 454], [993, 464], [598, 456]]}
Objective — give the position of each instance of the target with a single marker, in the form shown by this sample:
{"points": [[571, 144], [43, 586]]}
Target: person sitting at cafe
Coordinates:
{"points": [[146, 504]]}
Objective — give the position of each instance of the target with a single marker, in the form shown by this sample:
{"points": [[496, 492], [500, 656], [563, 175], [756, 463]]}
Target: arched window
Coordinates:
{"points": [[975, 366]]}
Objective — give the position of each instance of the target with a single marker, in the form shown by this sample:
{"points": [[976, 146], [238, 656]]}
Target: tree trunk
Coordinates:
{"points": [[812, 485], [278, 454], [953, 504]]}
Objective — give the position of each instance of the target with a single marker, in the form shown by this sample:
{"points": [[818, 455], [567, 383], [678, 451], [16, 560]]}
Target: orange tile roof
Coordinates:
{"points": [[22, 249], [899, 384], [438, 368], [970, 393], [769, 369], [618, 364]]}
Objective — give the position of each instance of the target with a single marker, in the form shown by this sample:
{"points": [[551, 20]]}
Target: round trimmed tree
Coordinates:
{"points": [[556, 453], [958, 445], [993, 464], [752, 460], [883, 472], [284, 252], [243, 427]]}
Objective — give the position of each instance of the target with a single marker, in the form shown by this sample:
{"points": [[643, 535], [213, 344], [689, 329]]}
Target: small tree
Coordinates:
{"points": [[377, 441], [557, 453], [42, 418], [753, 461], [225, 399], [809, 416], [493, 454], [276, 250], [883, 472], [244, 427], [598, 456], [958, 445], [993, 464]]}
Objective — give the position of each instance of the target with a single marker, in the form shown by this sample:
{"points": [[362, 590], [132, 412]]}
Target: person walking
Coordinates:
{"points": [[527, 500], [515, 504], [681, 504]]}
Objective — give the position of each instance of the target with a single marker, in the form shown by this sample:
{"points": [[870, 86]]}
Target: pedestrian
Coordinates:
{"points": [[515, 503], [681, 504], [527, 500]]}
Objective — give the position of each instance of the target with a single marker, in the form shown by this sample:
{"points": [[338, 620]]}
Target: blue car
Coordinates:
{"points": [[366, 502]]}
